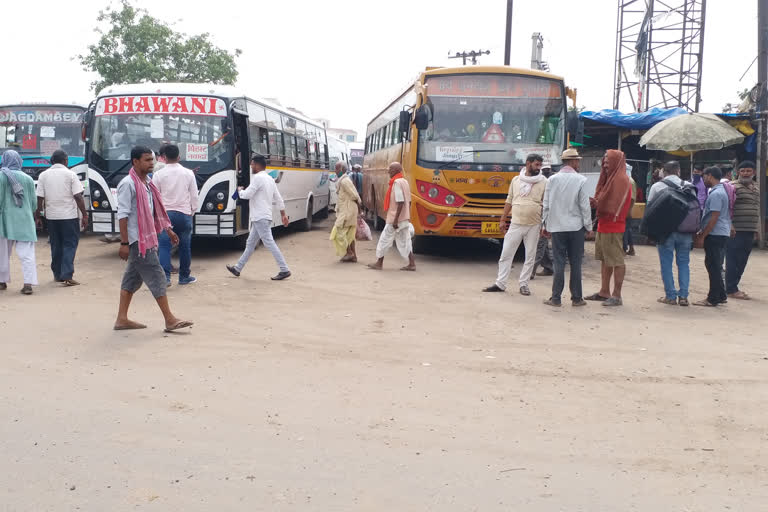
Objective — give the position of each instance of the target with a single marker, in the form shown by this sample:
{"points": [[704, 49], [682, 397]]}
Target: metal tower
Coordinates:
{"points": [[659, 51]]}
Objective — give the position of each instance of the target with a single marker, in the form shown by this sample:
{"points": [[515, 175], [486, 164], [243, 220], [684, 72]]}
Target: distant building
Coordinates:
{"points": [[343, 134]]}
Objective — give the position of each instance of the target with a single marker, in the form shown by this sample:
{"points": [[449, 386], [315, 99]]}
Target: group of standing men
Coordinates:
{"points": [[560, 208]]}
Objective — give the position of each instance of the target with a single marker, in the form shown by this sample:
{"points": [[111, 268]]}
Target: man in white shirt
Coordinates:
{"points": [[59, 197], [567, 217], [262, 193], [178, 188]]}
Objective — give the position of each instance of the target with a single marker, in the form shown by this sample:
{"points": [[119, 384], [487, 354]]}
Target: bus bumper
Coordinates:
{"points": [[458, 224], [203, 224]]}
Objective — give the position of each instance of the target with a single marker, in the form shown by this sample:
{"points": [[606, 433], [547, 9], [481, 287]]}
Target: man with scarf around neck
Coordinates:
{"points": [[17, 221], [612, 200], [524, 201], [397, 204], [141, 215], [567, 218], [744, 231]]}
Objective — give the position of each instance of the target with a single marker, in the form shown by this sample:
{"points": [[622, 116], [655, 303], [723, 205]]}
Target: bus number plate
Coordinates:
{"points": [[490, 228]]}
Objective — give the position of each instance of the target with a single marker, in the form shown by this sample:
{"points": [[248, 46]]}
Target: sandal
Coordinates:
{"points": [[70, 282], [179, 325], [613, 302], [739, 295], [683, 301], [704, 303], [597, 297], [665, 300], [554, 304]]}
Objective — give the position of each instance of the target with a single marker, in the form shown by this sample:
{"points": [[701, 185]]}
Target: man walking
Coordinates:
{"points": [[677, 246], [178, 187], [746, 226], [141, 215], [567, 217], [397, 204], [525, 200], [348, 207], [17, 221], [262, 194], [715, 230], [59, 197], [612, 200]]}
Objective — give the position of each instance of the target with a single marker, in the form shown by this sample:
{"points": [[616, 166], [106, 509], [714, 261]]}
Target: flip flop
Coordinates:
{"points": [[597, 297], [131, 327], [613, 302], [740, 296], [179, 325], [704, 303], [70, 282], [373, 266], [408, 269]]}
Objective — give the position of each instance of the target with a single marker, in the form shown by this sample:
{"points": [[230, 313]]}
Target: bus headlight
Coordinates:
{"points": [[105, 204], [220, 196], [209, 206], [96, 194], [450, 199], [433, 192]]}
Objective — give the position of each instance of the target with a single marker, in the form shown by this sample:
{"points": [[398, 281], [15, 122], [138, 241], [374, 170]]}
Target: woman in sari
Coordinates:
{"points": [[348, 206]]}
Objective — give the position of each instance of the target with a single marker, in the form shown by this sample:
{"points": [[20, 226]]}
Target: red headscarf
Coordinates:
{"points": [[613, 185]]}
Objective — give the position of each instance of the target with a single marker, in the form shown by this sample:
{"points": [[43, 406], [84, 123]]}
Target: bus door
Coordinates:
{"points": [[242, 164]]}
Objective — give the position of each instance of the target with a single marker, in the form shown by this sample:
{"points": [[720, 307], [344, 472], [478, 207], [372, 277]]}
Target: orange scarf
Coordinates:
{"points": [[389, 190]]}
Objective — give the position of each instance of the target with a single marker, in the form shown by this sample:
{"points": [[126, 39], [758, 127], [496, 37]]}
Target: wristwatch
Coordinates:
{"points": [[124, 243]]}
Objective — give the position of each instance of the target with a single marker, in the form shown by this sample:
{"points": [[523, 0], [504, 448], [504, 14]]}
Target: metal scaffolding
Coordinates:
{"points": [[659, 50]]}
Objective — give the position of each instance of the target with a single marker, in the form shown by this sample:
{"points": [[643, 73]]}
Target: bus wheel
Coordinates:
{"points": [[306, 224], [378, 222], [324, 213]]}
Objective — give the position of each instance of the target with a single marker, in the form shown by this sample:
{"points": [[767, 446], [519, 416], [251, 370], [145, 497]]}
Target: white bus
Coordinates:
{"points": [[217, 129]]}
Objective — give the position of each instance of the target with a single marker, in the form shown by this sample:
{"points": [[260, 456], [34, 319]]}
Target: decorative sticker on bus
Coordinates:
{"points": [[196, 152], [494, 86], [453, 153], [49, 146], [39, 116], [191, 105]]}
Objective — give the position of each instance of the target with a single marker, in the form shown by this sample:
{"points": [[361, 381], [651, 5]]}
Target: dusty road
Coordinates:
{"points": [[345, 389]]}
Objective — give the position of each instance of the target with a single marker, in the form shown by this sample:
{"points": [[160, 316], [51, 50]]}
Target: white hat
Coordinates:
{"points": [[570, 154]]}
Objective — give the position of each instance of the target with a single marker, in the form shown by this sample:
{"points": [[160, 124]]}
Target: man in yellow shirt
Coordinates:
{"points": [[525, 202]]}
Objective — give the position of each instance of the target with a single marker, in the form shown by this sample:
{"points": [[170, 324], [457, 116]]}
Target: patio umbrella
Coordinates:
{"points": [[690, 133]]}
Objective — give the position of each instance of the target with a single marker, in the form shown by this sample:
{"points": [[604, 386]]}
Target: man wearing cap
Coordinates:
{"points": [[567, 217]]}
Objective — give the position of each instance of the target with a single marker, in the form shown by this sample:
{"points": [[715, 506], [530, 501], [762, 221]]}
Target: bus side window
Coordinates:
{"points": [[290, 147], [258, 140], [301, 147], [276, 149]]}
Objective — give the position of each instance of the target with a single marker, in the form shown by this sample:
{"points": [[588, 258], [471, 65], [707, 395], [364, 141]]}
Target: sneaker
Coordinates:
{"points": [[493, 288], [578, 303], [281, 276], [524, 290], [683, 301], [233, 270], [26, 289], [188, 280]]}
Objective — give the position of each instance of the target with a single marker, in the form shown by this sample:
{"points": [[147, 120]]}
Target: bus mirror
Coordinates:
{"points": [[84, 125], [421, 118], [405, 121]]}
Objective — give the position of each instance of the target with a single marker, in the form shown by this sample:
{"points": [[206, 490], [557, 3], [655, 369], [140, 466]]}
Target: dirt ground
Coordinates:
{"points": [[346, 389]]}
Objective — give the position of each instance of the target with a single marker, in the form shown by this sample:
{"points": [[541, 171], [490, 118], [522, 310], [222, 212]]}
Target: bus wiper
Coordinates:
{"points": [[443, 166], [115, 173]]}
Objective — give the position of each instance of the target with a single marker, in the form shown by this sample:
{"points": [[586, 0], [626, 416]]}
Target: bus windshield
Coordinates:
{"points": [[206, 145], [494, 119], [41, 130]]}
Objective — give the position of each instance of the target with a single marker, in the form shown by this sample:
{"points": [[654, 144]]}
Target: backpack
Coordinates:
{"points": [[692, 221], [670, 211]]}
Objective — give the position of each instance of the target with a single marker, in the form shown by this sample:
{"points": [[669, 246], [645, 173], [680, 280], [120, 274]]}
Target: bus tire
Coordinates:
{"points": [[377, 222], [306, 224], [325, 212]]}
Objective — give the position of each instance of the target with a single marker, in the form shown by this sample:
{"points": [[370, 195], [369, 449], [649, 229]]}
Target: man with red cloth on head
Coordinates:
{"points": [[612, 201], [141, 215], [397, 204]]}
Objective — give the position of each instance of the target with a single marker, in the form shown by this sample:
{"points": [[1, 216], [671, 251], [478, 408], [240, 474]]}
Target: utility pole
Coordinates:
{"points": [[762, 109], [469, 55], [508, 42]]}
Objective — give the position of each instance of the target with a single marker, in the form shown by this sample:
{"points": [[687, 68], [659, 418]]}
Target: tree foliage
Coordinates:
{"points": [[135, 47]]}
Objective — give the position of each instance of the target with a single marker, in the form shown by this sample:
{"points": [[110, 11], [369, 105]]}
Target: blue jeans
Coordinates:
{"points": [[182, 226], [677, 246], [64, 236]]}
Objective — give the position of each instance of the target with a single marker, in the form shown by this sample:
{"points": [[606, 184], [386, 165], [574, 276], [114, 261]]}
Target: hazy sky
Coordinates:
{"points": [[346, 59]]}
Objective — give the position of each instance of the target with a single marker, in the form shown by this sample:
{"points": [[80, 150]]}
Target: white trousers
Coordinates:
{"points": [[26, 253], [529, 236], [401, 237]]}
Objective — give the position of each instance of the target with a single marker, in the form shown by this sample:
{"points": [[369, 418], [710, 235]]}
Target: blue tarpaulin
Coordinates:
{"points": [[634, 121]]}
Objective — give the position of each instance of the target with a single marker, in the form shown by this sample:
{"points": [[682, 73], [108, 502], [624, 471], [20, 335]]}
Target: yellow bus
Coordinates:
{"points": [[462, 134]]}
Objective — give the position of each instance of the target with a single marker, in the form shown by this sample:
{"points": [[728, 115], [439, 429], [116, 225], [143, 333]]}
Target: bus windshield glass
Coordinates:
{"points": [[198, 125], [493, 119], [41, 129]]}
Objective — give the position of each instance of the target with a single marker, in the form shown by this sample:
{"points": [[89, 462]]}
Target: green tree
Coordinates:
{"points": [[136, 47]]}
